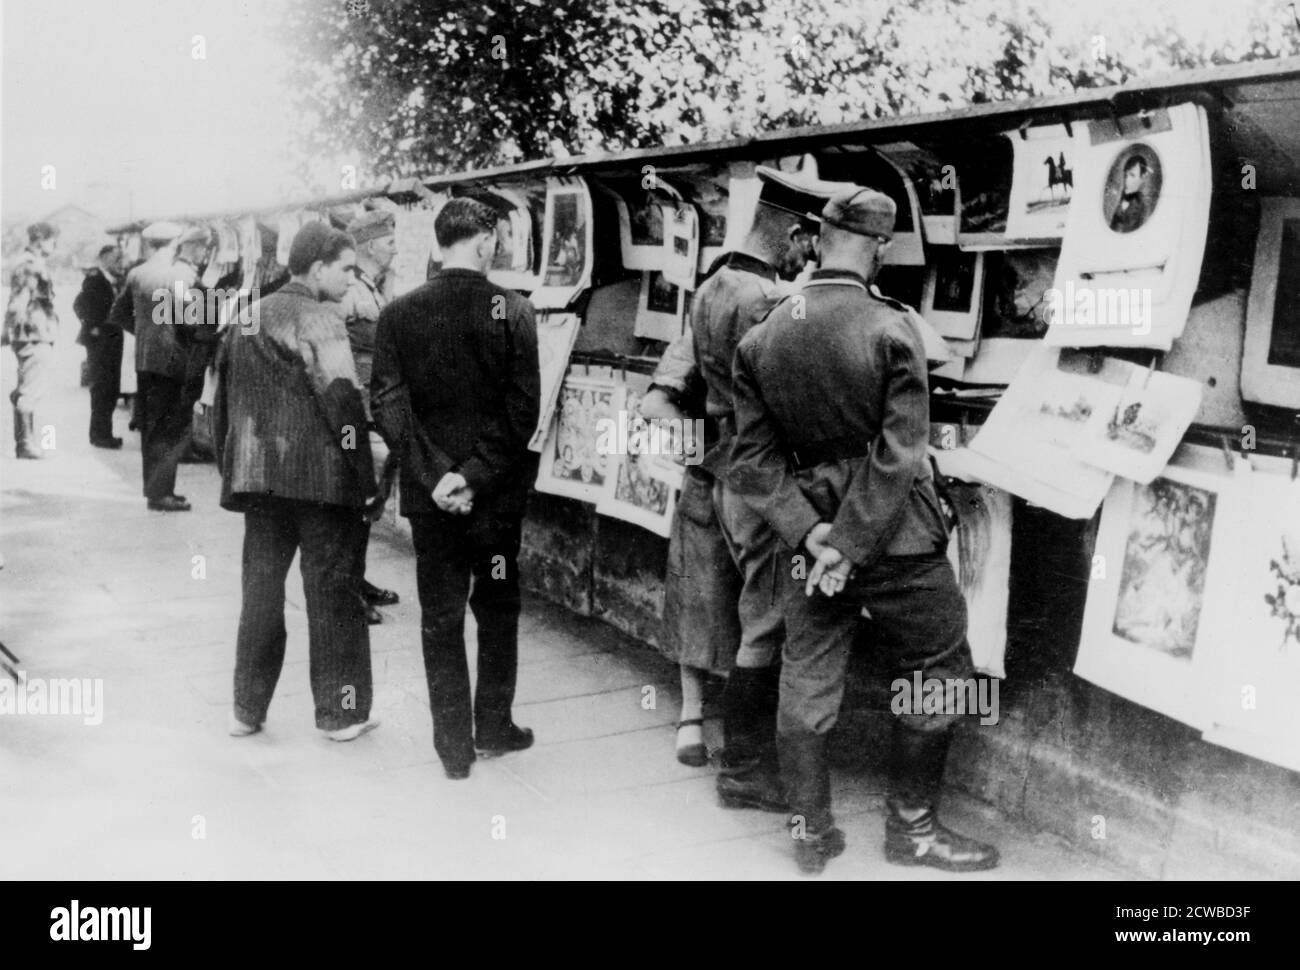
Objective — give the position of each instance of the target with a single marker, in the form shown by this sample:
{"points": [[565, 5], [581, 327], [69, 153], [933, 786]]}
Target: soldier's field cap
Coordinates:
{"points": [[161, 231], [865, 212], [797, 194], [372, 225]]}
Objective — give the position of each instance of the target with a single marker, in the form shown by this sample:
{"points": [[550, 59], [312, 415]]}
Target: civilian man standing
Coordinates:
{"points": [[103, 344], [160, 289], [295, 460], [832, 428], [455, 394]]}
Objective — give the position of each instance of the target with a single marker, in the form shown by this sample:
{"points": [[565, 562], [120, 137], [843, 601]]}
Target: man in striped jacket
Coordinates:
{"points": [[295, 460]]}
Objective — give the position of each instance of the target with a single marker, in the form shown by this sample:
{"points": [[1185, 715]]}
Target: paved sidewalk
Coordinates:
{"points": [[95, 586]]}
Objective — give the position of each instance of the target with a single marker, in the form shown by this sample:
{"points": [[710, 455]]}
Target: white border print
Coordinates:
{"points": [[1270, 365], [566, 244], [631, 492], [571, 465], [1042, 186], [1160, 601]]}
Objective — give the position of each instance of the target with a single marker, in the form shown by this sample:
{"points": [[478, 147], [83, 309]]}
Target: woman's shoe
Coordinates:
{"points": [[694, 755]]}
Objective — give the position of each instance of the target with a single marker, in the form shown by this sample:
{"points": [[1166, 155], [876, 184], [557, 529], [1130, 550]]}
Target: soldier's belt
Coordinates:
{"points": [[829, 450]]}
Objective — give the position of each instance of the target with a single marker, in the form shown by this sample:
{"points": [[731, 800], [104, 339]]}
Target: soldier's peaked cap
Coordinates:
{"points": [[796, 194], [862, 211]]}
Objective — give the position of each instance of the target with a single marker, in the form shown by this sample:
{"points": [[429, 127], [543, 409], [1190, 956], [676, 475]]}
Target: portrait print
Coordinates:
{"points": [[1132, 188]]}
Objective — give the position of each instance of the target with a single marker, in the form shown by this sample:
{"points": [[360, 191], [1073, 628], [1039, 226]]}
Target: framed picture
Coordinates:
{"points": [[571, 463], [556, 333], [1270, 366], [660, 309], [936, 187], [1160, 602], [631, 493], [567, 244], [681, 246], [1042, 184], [517, 265], [954, 293], [1135, 236], [641, 215], [1253, 686]]}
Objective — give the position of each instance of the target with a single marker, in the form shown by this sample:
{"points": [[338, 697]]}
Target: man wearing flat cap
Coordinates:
{"points": [[163, 299], [832, 414], [295, 460], [733, 299], [375, 235]]}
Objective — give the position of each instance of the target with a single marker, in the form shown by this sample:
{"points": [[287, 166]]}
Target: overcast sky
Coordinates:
{"points": [[108, 92]]}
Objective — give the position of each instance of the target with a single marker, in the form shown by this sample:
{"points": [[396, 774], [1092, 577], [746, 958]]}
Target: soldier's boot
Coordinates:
{"points": [[25, 445], [913, 834], [749, 777], [805, 770]]}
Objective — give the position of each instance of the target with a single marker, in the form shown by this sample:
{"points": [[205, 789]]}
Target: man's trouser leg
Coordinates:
{"points": [[749, 775], [919, 616], [165, 430], [104, 361], [442, 570], [270, 541], [495, 603], [330, 537], [29, 391]]}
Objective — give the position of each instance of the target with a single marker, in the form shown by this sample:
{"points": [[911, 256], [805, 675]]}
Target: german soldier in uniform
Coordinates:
{"points": [[731, 301], [832, 410], [30, 328]]}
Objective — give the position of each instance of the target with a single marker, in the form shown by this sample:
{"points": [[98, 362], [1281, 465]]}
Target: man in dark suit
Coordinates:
{"points": [[295, 460], [455, 393], [103, 343], [163, 302], [832, 427]]}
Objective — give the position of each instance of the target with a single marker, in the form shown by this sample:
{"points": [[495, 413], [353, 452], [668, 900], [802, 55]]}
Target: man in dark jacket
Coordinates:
{"points": [[295, 460], [103, 343], [455, 394], [832, 427]]}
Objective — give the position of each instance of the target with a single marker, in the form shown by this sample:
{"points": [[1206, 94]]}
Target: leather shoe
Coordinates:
{"points": [[378, 597], [373, 616], [757, 788], [169, 503], [106, 442], [813, 851], [456, 772], [924, 842], [692, 755], [513, 738]]}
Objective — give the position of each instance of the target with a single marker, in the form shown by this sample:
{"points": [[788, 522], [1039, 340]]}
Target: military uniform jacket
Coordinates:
{"points": [[833, 421], [456, 387], [360, 308], [731, 301], [160, 347], [30, 316]]}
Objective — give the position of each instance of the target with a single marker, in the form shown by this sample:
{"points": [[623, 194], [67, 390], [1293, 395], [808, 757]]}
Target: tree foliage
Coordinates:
{"points": [[423, 86]]}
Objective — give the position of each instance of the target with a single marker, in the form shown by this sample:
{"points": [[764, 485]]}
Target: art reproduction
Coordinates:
{"points": [[1270, 367], [660, 308], [567, 244], [571, 464], [631, 493], [1150, 418], [1043, 183], [641, 215], [556, 333], [1160, 596], [682, 245], [954, 293], [1254, 686], [980, 553]]}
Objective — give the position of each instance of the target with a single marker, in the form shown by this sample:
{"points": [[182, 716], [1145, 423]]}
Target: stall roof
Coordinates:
{"points": [[1259, 103]]}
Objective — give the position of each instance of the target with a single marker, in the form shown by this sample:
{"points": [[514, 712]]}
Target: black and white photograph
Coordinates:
{"points": [[491, 443]]}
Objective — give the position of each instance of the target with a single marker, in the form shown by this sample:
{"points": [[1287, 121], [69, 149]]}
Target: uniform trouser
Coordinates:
{"points": [[338, 637], [34, 359], [378, 452], [762, 560], [919, 618], [165, 420], [449, 553], [104, 364]]}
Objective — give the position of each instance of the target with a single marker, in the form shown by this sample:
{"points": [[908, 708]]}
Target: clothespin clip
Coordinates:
{"points": [[1024, 130], [1145, 117], [1069, 128], [1227, 452], [1151, 369], [622, 366], [964, 435]]}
